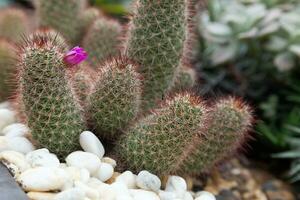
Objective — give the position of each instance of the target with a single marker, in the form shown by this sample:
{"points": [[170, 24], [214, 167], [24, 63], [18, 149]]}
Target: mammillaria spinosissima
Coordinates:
{"points": [[50, 107], [182, 127]]}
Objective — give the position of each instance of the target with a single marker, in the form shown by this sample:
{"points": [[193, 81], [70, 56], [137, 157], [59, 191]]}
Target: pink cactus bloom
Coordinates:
{"points": [[75, 56]]}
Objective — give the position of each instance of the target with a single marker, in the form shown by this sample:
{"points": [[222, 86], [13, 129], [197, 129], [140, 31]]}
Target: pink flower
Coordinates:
{"points": [[75, 56]]}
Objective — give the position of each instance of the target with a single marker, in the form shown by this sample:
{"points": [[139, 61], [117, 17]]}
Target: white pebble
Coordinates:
{"points": [[90, 143], [110, 161], [41, 195], [187, 196], [128, 178], [16, 129], [123, 197], [146, 180], [143, 194], [164, 195], [106, 192], [84, 160], [5, 105], [42, 158], [205, 196], [19, 144], [71, 194], [78, 174], [176, 183], [120, 189], [14, 161], [104, 172], [89, 192], [7, 117], [43, 179]]}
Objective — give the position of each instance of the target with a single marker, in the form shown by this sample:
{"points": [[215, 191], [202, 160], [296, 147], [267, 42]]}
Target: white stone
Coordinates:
{"points": [[138, 194], [106, 192], [187, 196], [42, 158], [205, 196], [128, 178], [110, 161], [89, 192], [120, 189], [5, 105], [76, 174], [7, 117], [123, 197], [104, 172], [84, 160], [14, 161], [43, 179], [19, 144], [164, 195], [71, 194], [16, 129], [41, 195], [90, 143], [146, 180], [95, 183], [176, 184]]}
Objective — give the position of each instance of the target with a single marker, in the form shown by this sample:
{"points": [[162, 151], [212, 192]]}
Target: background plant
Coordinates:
{"points": [[255, 56]]}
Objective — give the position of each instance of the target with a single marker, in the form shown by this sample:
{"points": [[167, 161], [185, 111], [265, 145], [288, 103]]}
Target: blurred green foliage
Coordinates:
{"points": [[115, 7], [251, 48]]}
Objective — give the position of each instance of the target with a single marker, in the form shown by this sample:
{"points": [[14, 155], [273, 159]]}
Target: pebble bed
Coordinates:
{"points": [[86, 174]]}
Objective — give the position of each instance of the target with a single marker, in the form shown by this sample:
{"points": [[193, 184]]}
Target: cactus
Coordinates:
{"points": [[115, 99], [102, 40], [7, 68], [87, 18], [13, 24], [157, 141], [50, 107], [227, 130], [82, 82], [184, 79], [156, 41], [63, 16]]}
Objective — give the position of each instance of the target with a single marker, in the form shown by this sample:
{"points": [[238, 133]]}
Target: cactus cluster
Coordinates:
{"points": [[49, 104], [116, 95]]}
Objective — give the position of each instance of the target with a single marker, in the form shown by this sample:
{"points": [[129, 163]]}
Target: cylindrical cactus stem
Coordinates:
{"points": [[8, 61], [82, 82], [50, 107], [102, 40], [185, 79], [115, 99], [156, 39], [63, 16], [13, 24], [228, 128], [87, 17], [156, 142]]}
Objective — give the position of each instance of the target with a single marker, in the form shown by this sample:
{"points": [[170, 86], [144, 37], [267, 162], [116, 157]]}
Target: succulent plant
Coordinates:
{"points": [[115, 99], [13, 24], [227, 129], [185, 79], [102, 40], [157, 141], [63, 16], [8, 61], [155, 41], [51, 109]]}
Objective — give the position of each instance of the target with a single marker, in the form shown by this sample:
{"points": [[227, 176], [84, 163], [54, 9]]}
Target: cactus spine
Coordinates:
{"points": [[156, 40], [63, 16], [156, 142], [229, 123], [13, 24], [102, 40], [7, 68], [184, 79], [116, 97], [50, 107]]}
